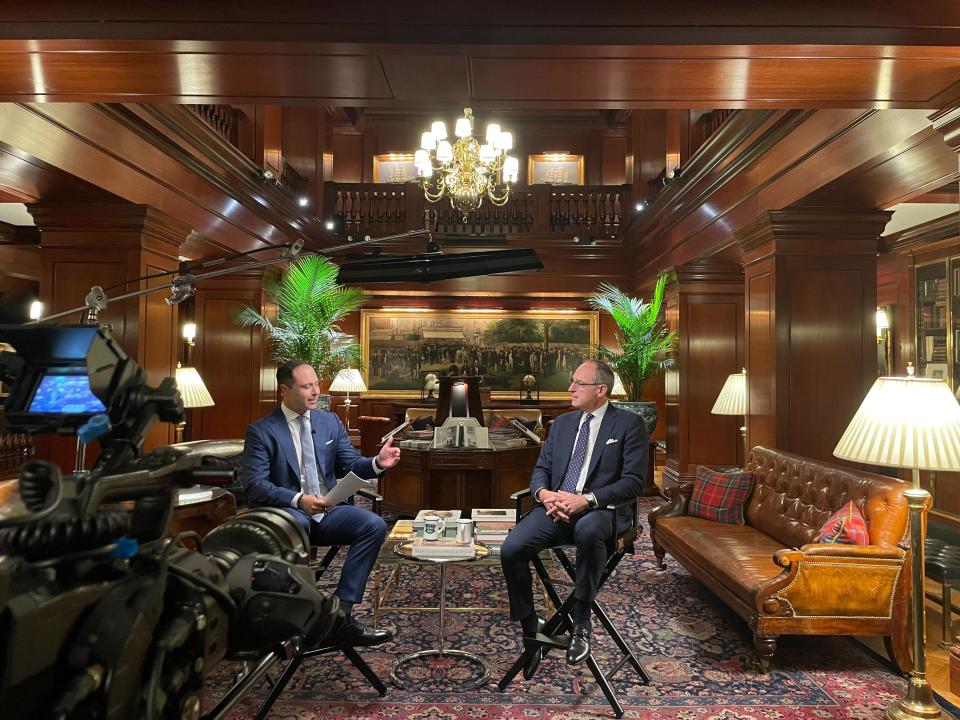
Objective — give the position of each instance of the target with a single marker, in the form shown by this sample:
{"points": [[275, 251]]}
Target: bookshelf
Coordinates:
{"points": [[938, 319]]}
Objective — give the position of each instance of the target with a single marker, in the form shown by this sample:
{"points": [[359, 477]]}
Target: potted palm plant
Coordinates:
{"points": [[645, 343], [310, 304]]}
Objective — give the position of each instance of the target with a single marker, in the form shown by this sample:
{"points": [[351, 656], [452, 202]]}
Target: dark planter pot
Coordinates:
{"points": [[645, 409]]}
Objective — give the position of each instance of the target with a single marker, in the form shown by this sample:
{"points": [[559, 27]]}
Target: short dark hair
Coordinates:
{"points": [[285, 371], [602, 374]]}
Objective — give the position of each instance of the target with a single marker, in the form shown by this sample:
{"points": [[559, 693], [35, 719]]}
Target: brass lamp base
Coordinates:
{"points": [[917, 703], [918, 700]]}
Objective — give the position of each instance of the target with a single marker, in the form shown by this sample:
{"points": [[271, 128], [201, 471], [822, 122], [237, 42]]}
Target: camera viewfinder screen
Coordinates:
{"points": [[65, 394]]}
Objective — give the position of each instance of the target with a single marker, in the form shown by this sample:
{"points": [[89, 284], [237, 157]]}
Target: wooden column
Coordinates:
{"points": [[705, 307], [810, 277], [233, 361], [112, 244]]}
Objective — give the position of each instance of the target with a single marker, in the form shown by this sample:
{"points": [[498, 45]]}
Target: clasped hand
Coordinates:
{"points": [[561, 506]]}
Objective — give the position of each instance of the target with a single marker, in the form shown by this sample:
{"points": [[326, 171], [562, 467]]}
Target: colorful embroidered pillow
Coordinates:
{"points": [[719, 496], [846, 526]]}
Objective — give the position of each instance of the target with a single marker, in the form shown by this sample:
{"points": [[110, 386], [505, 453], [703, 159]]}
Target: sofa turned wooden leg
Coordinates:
{"points": [[659, 553], [899, 650], [766, 646]]}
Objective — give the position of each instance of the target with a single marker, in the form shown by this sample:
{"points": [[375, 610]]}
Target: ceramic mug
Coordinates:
{"points": [[464, 530], [433, 527]]}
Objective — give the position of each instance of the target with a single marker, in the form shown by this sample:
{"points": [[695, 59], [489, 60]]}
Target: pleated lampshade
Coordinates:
{"points": [[618, 389], [348, 380], [732, 399], [905, 422], [192, 389]]}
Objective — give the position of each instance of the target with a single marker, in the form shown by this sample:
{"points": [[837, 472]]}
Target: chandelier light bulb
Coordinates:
{"points": [[444, 151], [427, 141], [421, 157], [463, 128], [424, 171], [493, 132], [439, 130], [486, 153], [505, 141]]}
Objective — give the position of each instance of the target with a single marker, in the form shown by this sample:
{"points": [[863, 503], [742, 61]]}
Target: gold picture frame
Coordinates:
{"points": [[555, 169], [394, 168], [400, 347]]}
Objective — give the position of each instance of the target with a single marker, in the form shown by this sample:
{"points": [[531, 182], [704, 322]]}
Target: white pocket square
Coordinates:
{"points": [[611, 441], [329, 441]]}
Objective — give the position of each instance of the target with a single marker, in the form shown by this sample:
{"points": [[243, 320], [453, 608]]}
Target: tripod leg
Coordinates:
{"points": [[278, 688], [361, 665]]}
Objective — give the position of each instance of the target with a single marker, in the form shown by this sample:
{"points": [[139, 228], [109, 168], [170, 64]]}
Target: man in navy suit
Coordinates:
{"points": [[592, 458], [292, 457]]}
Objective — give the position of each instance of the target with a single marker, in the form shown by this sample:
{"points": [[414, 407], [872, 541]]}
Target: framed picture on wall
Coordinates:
{"points": [[394, 168], [401, 348], [555, 169]]}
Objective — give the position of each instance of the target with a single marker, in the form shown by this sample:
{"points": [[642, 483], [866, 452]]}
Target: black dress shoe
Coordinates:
{"points": [[354, 634], [534, 662], [579, 643]]}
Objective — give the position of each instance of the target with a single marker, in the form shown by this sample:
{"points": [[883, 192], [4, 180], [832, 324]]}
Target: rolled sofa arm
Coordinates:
{"points": [[678, 498], [833, 582]]}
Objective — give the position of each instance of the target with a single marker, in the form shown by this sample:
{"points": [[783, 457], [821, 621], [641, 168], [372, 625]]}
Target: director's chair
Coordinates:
{"points": [[556, 632]]}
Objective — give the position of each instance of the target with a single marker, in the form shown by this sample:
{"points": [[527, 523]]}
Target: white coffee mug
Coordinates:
{"points": [[464, 530], [433, 527]]}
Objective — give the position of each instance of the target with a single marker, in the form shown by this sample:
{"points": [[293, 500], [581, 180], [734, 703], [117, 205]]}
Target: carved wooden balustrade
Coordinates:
{"points": [[380, 208], [224, 119]]}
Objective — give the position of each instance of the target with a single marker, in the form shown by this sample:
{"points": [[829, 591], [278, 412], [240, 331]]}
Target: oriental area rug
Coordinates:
{"points": [[696, 651]]}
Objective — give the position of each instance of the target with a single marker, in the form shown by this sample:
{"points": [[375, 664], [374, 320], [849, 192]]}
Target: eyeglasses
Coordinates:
{"points": [[574, 381]]}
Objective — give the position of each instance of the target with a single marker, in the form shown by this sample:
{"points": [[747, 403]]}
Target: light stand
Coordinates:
{"points": [[911, 423]]}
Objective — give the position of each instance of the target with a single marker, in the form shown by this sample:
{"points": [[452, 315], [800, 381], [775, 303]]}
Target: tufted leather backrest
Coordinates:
{"points": [[793, 496]]}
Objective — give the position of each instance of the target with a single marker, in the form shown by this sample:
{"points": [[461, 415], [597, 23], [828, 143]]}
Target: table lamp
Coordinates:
{"points": [[193, 392], [618, 389], [908, 422], [348, 380], [732, 400]]}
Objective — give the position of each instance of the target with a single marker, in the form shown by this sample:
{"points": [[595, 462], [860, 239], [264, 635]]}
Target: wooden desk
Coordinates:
{"points": [[465, 479], [202, 517]]}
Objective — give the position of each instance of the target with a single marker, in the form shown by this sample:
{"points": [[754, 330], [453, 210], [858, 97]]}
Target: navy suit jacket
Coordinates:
{"points": [[618, 464], [271, 473]]}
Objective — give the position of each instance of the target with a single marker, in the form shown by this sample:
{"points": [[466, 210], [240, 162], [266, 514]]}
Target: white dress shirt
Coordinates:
{"points": [[293, 425], [591, 441]]}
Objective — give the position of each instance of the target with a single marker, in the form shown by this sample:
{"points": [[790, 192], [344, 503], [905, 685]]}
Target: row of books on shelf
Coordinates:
{"points": [[936, 289]]}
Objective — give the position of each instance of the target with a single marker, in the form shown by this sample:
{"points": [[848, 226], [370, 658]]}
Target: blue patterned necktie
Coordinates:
{"points": [[578, 458], [308, 454]]}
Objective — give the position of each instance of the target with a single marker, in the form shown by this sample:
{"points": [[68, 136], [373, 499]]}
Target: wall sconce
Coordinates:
{"points": [[189, 334], [36, 310], [884, 344]]}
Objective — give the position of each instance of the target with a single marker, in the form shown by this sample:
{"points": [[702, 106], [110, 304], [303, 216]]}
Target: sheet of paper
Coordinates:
{"points": [[346, 486]]}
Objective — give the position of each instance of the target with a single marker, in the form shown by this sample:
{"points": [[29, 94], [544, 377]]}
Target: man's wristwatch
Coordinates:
{"points": [[300, 501], [592, 500]]}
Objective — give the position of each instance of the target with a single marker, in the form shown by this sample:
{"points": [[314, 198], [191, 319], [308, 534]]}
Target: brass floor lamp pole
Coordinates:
{"points": [[918, 701]]}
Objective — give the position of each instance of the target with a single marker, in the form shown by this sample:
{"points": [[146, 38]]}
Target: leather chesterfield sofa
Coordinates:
{"points": [[771, 573]]}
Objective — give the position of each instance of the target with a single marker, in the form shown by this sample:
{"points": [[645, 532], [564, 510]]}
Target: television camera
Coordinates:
{"points": [[101, 614]]}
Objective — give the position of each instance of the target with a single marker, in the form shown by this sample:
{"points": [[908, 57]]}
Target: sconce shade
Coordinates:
{"points": [[192, 389], [883, 322], [732, 399], [348, 380], [905, 422], [618, 389]]}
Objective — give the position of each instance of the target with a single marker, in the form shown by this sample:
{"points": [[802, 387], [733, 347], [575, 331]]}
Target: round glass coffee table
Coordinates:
{"points": [[405, 550]]}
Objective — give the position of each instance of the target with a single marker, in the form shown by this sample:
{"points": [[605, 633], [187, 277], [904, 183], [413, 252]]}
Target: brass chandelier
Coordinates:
{"points": [[466, 170]]}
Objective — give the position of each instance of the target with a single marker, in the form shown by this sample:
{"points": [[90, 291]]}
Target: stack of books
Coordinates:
{"points": [[449, 517], [443, 548], [491, 526]]}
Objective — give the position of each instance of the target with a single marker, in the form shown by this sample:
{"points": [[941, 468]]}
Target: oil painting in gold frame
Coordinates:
{"points": [[400, 348]]}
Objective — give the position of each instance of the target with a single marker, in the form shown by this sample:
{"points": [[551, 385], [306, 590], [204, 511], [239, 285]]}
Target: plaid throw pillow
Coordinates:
{"points": [[847, 525], [719, 496]]}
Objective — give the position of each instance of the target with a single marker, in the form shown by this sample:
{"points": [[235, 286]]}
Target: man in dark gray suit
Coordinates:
{"points": [[292, 457], [592, 458]]}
